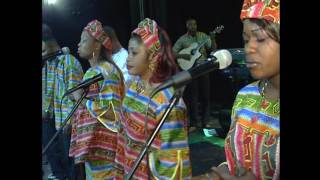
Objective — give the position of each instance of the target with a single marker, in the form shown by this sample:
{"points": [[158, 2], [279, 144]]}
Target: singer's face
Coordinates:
{"points": [[86, 45], [137, 61], [262, 52]]}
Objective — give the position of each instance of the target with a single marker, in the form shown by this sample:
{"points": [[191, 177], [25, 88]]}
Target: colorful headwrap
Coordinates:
{"points": [[261, 9], [94, 28], [148, 31]]}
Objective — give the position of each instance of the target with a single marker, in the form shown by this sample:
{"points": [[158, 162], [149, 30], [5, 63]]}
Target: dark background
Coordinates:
{"points": [[68, 18]]}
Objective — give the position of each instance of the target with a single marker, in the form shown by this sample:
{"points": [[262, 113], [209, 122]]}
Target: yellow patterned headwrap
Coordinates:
{"points": [[148, 31], [94, 28], [261, 9]]}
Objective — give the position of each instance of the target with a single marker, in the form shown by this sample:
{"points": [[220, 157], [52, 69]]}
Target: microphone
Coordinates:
{"points": [[85, 83], [54, 54], [65, 50], [51, 55], [218, 60]]}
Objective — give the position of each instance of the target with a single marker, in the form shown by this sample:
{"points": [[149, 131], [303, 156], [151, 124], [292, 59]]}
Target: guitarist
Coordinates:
{"points": [[200, 86]]}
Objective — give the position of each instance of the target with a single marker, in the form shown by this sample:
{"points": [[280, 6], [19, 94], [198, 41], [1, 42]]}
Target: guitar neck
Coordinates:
{"points": [[207, 38], [202, 43], [212, 33], [217, 30]]}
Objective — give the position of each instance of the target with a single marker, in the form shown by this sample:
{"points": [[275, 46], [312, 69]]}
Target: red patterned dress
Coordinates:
{"points": [[168, 157], [253, 141], [94, 128]]}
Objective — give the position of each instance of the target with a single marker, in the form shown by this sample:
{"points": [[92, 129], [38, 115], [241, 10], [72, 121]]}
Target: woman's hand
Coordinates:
{"points": [[77, 94], [220, 173], [201, 177]]}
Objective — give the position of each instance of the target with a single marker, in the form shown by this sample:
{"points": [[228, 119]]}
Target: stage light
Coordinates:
{"points": [[52, 1]]}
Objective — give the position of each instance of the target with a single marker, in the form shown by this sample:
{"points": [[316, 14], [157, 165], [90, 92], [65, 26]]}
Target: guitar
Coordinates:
{"points": [[193, 50]]}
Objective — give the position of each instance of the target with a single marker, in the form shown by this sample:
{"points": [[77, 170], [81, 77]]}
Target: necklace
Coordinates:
{"points": [[140, 87], [263, 89]]}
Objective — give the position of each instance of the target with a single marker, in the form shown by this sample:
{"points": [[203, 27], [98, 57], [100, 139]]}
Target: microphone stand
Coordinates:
{"points": [[84, 94], [173, 101]]}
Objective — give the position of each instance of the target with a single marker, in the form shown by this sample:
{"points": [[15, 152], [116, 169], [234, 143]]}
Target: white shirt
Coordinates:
{"points": [[120, 58]]}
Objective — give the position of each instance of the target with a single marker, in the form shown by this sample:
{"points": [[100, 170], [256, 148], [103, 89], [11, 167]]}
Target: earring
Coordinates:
{"points": [[92, 54]]}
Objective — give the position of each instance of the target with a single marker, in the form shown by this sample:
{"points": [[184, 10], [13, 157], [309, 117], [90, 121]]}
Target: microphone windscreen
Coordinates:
{"points": [[65, 50], [224, 58]]}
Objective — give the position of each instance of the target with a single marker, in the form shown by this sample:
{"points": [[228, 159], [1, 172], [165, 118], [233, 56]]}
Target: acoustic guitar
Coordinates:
{"points": [[194, 51]]}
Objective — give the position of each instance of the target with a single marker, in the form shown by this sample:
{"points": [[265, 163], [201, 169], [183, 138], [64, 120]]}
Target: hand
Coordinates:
{"points": [[185, 56], [83, 103], [244, 174], [212, 175], [76, 95], [201, 177], [212, 35]]}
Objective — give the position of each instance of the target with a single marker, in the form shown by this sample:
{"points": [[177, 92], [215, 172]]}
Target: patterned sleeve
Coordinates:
{"points": [[46, 105], [235, 106], [73, 71], [171, 160], [105, 106], [70, 75]]}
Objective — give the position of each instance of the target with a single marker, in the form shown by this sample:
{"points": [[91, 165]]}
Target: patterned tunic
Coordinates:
{"points": [[254, 137], [58, 75], [169, 157], [91, 141]]}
